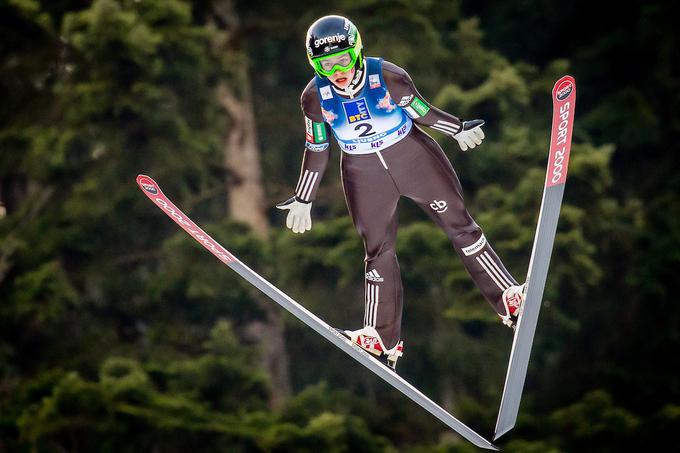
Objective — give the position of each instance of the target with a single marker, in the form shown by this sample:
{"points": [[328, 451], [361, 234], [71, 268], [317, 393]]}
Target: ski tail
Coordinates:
{"points": [[152, 190], [564, 103]]}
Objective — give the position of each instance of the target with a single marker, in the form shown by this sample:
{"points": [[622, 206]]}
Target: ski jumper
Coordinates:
{"points": [[386, 156]]}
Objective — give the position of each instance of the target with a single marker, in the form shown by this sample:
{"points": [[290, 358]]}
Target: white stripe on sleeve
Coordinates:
{"points": [[455, 127], [301, 182], [411, 112], [307, 193], [443, 129]]}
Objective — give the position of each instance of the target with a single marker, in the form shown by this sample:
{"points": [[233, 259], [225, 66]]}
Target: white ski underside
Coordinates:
{"points": [[528, 319], [154, 193]]}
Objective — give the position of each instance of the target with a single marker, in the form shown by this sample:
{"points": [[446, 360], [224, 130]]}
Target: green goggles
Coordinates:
{"points": [[341, 61]]}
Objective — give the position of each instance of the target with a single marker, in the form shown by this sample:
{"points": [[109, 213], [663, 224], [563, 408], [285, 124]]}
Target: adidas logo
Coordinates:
{"points": [[374, 276]]}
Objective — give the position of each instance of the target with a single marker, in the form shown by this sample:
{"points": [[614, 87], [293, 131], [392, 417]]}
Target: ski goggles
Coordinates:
{"points": [[341, 61]]}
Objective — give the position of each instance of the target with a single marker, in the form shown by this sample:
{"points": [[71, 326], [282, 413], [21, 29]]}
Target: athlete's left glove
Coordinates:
{"points": [[299, 214], [471, 135]]}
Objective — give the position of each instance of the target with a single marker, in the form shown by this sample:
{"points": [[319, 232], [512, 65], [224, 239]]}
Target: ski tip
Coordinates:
{"points": [[565, 78], [564, 88], [147, 184]]}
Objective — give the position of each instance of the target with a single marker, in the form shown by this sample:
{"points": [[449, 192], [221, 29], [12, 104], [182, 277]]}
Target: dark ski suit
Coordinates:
{"points": [[386, 156]]}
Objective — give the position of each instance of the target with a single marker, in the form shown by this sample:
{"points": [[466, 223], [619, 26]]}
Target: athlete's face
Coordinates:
{"points": [[342, 79]]}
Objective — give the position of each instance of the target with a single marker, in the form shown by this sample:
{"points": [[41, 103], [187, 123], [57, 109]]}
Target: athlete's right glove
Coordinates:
{"points": [[299, 214], [471, 135]]}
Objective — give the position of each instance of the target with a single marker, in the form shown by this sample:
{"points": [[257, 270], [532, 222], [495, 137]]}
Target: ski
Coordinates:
{"points": [[564, 97], [154, 193]]}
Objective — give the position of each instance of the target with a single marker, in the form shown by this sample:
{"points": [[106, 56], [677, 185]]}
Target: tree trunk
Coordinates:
{"points": [[245, 199], [270, 335]]}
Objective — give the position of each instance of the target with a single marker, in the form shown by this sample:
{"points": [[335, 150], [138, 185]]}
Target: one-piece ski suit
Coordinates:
{"points": [[386, 156]]}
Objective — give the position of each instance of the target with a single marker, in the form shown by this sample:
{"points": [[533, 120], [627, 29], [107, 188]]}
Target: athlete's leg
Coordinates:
{"points": [[372, 199], [430, 180]]}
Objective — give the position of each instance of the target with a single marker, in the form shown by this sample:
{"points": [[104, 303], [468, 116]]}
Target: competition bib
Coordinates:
{"points": [[369, 122]]}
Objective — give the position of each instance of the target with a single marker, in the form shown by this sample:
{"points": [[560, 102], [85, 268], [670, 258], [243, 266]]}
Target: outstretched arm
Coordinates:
{"points": [[314, 162], [404, 92]]}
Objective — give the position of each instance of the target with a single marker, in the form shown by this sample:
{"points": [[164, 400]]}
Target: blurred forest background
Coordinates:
{"points": [[119, 333]]}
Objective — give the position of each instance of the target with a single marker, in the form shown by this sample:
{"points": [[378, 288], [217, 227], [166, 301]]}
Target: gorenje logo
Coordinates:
{"points": [[336, 38], [148, 185]]}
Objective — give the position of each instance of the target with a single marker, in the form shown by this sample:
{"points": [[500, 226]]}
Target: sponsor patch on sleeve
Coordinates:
{"points": [[319, 132], [405, 100], [309, 134], [419, 106], [316, 147], [476, 247]]}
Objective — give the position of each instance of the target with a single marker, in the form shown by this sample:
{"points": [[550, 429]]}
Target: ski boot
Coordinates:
{"points": [[369, 339], [513, 298]]}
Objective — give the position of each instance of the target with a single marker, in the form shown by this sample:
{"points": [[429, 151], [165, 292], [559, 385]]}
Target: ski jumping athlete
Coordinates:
{"points": [[371, 106]]}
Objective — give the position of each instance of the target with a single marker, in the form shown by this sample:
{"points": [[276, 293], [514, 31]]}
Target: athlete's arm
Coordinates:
{"points": [[404, 92], [317, 144], [314, 162]]}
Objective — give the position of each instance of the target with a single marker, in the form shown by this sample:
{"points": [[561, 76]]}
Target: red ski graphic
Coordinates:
{"points": [[564, 95], [152, 191]]}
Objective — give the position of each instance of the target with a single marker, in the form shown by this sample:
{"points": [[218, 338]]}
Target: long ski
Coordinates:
{"points": [[564, 102], [153, 191]]}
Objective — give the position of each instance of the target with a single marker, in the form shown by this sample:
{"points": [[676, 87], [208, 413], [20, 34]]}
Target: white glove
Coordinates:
{"points": [[471, 135], [299, 215]]}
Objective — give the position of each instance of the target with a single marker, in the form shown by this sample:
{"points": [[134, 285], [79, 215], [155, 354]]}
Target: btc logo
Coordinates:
{"points": [[356, 111]]}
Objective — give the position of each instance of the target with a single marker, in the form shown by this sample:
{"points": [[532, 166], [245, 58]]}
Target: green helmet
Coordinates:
{"points": [[333, 36]]}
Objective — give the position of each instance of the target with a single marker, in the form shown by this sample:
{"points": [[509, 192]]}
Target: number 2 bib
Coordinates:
{"points": [[369, 122]]}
